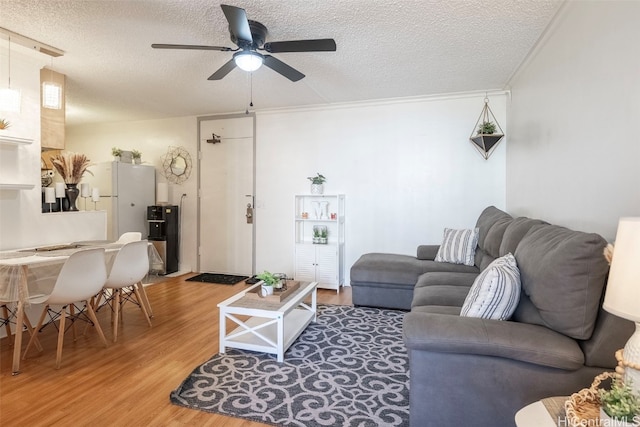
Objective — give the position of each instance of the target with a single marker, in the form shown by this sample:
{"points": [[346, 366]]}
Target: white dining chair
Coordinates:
{"points": [[8, 314], [124, 282], [129, 236], [82, 276]]}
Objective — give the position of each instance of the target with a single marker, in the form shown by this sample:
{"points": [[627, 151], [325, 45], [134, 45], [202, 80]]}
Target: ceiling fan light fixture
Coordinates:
{"points": [[248, 60]]}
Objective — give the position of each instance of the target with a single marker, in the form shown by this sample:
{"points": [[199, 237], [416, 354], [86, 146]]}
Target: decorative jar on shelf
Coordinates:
{"points": [[317, 188]]}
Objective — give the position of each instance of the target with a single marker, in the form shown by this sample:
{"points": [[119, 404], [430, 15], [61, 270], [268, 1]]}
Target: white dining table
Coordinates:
{"points": [[25, 273]]}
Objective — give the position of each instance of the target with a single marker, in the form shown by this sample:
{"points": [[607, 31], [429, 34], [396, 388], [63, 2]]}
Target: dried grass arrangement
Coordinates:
{"points": [[71, 166]]}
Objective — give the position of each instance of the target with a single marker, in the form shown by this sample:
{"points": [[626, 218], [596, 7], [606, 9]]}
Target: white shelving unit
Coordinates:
{"points": [[11, 140], [320, 262], [8, 143]]}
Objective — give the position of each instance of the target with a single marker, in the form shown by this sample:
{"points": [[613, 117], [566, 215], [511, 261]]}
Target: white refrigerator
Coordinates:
{"points": [[126, 190]]}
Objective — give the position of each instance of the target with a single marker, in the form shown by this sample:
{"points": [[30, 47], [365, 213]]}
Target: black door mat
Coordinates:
{"points": [[252, 280], [221, 279]]}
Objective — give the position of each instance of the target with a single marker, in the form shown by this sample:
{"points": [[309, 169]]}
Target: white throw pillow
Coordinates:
{"points": [[496, 291], [458, 246]]}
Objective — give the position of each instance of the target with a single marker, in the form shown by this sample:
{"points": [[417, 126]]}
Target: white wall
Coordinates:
{"points": [[21, 222], [407, 168], [152, 138], [573, 150]]}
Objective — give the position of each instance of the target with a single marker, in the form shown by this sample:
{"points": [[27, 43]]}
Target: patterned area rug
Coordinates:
{"points": [[221, 279], [350, 368]]}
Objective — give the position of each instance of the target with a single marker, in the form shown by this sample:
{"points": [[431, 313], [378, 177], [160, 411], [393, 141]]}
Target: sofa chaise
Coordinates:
{"points": [[479, 372]]}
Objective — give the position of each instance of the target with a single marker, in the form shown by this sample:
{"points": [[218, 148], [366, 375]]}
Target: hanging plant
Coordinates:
{"points": [[487, 128]]}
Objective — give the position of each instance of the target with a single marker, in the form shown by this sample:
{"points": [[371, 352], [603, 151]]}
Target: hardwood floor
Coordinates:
{"points": [[129, 382]]}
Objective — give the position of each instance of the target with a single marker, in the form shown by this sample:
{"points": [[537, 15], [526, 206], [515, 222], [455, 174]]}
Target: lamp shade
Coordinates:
{"points": [[51, 95], [10, 100], [162, 193], [248, 60], [623, 288]]}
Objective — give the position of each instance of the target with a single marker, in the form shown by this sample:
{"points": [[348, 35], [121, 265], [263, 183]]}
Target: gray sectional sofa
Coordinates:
{"points": [[480, 372]]}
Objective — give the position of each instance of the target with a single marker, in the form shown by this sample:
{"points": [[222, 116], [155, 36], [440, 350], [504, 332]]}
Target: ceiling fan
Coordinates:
{"points": [[250, 37]]}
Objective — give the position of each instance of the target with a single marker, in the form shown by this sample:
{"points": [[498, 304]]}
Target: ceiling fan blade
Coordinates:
{"points": [[282, 68], [223, 71], [238, 22], [189, 46], [317, 45]]}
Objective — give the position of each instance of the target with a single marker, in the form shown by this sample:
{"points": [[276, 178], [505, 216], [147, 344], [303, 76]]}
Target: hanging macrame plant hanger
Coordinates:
{"points": [[487, 132]]}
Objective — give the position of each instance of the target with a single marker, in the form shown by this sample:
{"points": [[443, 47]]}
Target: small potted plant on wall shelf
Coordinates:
{"points": [[317, 183], [620, 406], [4, 124], [116, 153], [137, 156], [324, 233]]}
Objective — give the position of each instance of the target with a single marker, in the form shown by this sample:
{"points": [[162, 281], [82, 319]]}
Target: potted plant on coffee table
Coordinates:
{"points": [[620, 406], [270, 279]]}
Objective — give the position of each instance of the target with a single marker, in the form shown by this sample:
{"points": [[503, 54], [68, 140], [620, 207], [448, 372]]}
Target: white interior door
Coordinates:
{"points": [[226, 188]]}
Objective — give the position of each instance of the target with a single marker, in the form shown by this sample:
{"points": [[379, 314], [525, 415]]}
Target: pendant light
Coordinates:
{"points": [[51, 92], [9, 98]]}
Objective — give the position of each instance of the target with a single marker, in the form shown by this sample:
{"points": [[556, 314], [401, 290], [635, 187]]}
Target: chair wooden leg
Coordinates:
{"points": [[7, 325], [63, 316], [94, 319], [142, 306], [35, 331], [145, 299], [116, 313], [72, 313]]}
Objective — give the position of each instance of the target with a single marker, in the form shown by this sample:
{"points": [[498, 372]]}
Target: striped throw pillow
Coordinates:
{"points": [[458, 246], [496, 291]]}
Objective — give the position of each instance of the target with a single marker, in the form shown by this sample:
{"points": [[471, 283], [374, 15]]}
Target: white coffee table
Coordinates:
{"points": [[272, 326], [538, 414]]}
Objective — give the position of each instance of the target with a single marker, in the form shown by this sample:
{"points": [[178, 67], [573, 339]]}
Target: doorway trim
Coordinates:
{"points": [[199, 183]]}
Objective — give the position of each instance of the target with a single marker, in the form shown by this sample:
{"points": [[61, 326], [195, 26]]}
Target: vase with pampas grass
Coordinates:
{"points": [[71, 167]]}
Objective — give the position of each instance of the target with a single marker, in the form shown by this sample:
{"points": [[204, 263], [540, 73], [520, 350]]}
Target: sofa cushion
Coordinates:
{"points": [[494, 236], [563, 274], [486, 220], [387, 268], [514, 233], [495, 292], [489, 238], [458, 246]]}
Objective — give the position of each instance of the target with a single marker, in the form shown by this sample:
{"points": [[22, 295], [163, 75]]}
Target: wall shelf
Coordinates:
{"points": [[12, 140], [4, 186]]}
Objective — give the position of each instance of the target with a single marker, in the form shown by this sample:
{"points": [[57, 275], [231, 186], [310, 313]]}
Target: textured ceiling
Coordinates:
{"points": [[386, 49]]}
